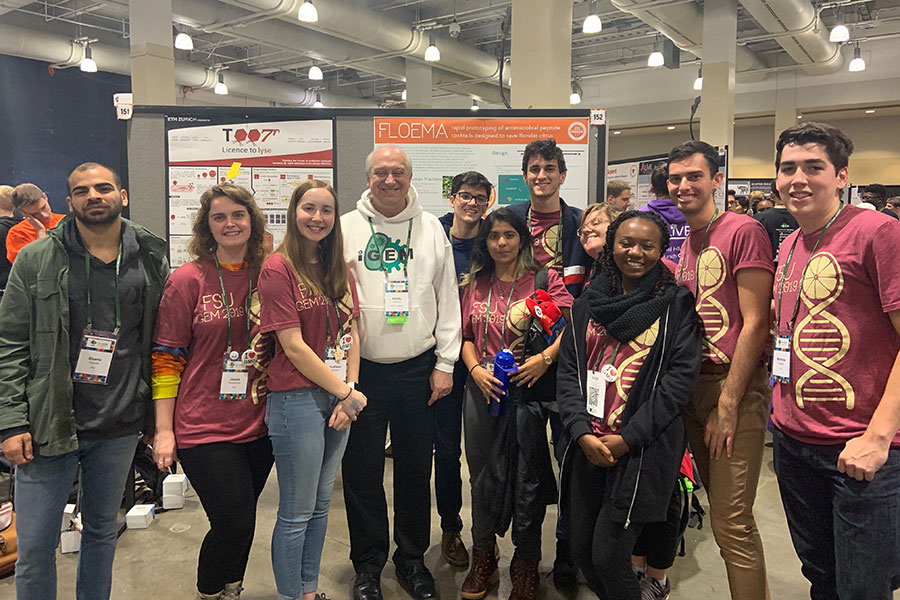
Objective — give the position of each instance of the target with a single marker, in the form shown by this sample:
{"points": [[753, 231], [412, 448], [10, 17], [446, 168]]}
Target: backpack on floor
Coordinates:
{"points": [[8, 538]]}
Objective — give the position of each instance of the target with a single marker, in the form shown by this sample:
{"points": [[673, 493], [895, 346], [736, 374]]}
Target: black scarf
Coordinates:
{"points": [[626, 316]]}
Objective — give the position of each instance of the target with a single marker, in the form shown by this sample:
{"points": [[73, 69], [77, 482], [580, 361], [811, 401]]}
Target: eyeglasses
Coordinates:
{"points": [[591, 226], [466, 197]]}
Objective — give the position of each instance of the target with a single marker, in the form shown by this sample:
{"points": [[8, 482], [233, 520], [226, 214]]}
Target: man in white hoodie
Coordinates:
{"points": [[410, 334]]}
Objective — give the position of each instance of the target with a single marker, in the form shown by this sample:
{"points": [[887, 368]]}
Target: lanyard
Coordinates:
{"points": [[341, 328], [87, 277], [803, 275], [702, 248], [612, 359], [408, 249], [228, 307], [559, 232], [487, 312]]}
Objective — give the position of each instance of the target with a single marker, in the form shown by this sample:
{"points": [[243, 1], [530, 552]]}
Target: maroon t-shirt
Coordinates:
{"points": [[734, 242], [628, 361], [474, 305], [286, 303], [192, 315], [843, 346], [545, 234]]}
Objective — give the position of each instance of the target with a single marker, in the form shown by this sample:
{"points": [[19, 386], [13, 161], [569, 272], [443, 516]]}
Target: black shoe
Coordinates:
{"points": [[417, 581], [564, 570], [367, 586]]}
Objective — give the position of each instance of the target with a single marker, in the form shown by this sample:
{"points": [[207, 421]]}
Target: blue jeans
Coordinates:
{"points": [[307, 454], [846, 532], [42, 490]]}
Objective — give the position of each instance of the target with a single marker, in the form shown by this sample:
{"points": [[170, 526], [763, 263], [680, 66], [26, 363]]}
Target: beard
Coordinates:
{"points": [[105, 218]]}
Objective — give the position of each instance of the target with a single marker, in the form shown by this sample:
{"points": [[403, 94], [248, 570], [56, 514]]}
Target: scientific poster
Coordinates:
{"points": [[442, 147], [274, 158]]}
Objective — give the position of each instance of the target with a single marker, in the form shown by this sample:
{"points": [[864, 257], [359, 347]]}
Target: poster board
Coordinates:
{"points": [[270, 158], [442, 147]]}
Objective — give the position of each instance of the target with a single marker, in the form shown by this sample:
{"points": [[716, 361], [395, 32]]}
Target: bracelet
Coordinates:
{"points": [[473, 368], [347, 396]]}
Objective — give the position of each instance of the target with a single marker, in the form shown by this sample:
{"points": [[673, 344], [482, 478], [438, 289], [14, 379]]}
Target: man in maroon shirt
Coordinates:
{"points": [[727, 262], [836, 401]]}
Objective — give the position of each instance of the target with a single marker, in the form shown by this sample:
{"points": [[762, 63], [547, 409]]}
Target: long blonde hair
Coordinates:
{"points": [[330, 251]]}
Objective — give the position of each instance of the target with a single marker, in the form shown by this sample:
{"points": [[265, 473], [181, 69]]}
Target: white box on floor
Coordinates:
{"points": [[68, 513], [140, 516], [69, 541], [175, 484], [173, 501]]}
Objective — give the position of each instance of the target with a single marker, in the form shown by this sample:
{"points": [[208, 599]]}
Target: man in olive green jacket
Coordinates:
{"points": [[77, 322]]}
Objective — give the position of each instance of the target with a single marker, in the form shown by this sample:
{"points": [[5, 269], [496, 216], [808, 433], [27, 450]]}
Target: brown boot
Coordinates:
{"points": [[483, 575], [526, 580], [453, 550]]}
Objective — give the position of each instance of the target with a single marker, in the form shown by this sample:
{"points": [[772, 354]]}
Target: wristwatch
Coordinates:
{"points": [[547, 360]]}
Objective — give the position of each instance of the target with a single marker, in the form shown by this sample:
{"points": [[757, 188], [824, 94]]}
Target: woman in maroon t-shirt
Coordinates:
{"points": [[508, 457], [211, 412], [308, 298]]}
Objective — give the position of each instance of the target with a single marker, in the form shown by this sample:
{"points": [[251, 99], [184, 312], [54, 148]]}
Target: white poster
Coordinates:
{"points": [[273, 157], [443, 147]]}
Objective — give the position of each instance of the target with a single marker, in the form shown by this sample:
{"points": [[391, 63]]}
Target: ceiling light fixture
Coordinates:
{"points": [[474, 106], [656, 58], [318, 102], [403, 95], [857, 64], [315, 73], [432, 54], [221, 89], [575, 96], [308, 12], [617, 133], [592, 23], [183, 41], [839, 34], [87, 63], [698, 83], [670, 127], [870, 111]]}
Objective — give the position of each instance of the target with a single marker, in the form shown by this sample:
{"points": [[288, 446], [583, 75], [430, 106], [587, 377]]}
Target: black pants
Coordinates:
{"points": [[228, 479], [447, 452], [600, 547], [397, 394], [659, 541]]}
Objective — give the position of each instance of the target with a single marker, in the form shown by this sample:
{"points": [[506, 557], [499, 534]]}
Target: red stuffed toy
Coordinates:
{"points": [[545, 311]]}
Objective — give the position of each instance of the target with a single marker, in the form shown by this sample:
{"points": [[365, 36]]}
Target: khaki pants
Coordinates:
{"points": [[731, 482]]}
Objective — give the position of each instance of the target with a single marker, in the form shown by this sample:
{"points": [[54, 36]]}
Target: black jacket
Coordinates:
{"points": [[640, 484]]}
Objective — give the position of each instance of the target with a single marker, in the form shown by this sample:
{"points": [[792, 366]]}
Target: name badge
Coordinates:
{"points": [[781, 359], [95, 357], [596, 394], [235, 376], [336, 360], [396, 301]]}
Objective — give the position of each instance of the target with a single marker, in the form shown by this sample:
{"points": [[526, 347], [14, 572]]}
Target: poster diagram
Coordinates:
{"points": [[443, 147], [275, 158]]}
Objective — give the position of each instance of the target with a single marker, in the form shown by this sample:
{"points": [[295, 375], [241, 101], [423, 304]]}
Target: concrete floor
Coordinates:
{"points": [[160, 562]]}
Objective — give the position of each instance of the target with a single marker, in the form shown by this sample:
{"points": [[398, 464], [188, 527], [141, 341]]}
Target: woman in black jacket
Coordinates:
{"points": [[628, 361]]}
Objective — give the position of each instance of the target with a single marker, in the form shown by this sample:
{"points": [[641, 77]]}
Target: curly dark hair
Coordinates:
{"points": [[607, 263]]}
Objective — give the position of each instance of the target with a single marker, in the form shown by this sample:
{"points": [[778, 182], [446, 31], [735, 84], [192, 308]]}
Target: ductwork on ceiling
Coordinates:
{"points": [[683, 24], [37, 45], [809, 48]]}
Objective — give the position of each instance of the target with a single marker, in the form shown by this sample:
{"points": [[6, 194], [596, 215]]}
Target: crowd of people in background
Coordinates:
{"points": [[647, 341]]}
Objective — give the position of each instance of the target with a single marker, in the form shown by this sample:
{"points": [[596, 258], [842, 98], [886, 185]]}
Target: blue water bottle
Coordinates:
{"points": [[504, 366]]}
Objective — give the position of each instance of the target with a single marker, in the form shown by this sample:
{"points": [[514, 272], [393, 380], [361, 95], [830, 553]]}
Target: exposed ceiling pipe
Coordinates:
{"points": [[10, 5], [37, 45], [352, 22], [809, 47], [683, 24]]}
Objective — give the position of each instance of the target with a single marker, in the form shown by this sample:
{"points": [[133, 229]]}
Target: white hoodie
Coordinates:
{"points": [[434, 314]]}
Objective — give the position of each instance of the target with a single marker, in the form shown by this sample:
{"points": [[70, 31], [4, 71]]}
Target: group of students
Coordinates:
{"points": [[256, 360]]}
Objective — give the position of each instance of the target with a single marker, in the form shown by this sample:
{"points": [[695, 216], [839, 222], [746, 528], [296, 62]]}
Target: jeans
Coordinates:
{"points": [[307, 454], [447, 452], [42, 490], [398, 394], [846, 532], [228, 479]]}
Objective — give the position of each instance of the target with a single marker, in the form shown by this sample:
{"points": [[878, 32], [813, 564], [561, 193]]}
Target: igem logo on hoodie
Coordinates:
{"points": [[381, 250]]}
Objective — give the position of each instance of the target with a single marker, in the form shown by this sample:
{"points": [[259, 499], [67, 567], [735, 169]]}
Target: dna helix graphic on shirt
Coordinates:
{"points": [[629, 368], [711, 273], [820, 339]]}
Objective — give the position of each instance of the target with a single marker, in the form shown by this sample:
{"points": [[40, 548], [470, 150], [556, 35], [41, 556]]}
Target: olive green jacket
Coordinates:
{"points": [[35, 370]]}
